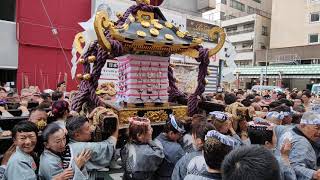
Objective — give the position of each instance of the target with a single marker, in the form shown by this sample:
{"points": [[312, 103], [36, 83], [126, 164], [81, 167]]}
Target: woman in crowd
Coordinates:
{"points": [[141, 156], [54, 139], [60, 111]]}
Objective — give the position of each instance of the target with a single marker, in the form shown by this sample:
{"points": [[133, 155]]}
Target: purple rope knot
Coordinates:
{"points": [[193, 100]]}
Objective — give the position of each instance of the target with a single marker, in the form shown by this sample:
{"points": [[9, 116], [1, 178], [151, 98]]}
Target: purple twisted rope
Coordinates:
{"points": [[173, 91], [203, 69], [133, 10], [81, 96], [87, 90]]}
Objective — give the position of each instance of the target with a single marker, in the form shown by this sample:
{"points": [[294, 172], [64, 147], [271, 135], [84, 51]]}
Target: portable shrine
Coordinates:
{"points": [[142, 41]]}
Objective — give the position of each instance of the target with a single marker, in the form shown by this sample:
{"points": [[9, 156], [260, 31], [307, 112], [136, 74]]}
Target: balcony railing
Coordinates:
{"points": [[230, 33], [242, 14], [244, 50]]}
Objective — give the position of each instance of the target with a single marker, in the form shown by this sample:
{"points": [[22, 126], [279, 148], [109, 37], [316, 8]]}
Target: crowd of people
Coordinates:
{"points": [[264, 135]]}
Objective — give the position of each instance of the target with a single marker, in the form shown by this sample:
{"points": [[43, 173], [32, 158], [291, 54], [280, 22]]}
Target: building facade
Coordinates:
{"points": [[294, 44], [247, 24], [36, 41]]}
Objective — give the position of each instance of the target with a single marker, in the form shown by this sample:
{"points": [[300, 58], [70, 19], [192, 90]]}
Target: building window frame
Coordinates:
{"points": [[237, 5], [224, 2], [317, 20], [251, 10], [314, 1], [257, 1], [314, 34], [264, 31]]}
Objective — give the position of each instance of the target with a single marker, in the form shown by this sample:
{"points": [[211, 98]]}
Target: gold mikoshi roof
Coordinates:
{"points": [[142, 33]]}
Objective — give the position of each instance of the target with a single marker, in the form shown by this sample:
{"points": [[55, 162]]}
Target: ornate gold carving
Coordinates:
{"points": [[141, 34], [78, 41], [145, 16], [191, 53], [102, 23], [168, 37], [213, 34], [156, 116], [197, 40], [154, 32], [125, 115], [180, 112]]}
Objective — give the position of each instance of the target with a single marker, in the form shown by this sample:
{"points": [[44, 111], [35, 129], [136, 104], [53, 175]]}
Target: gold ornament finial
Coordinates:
{"points": [[81, 61], [86, 77], [92, 59], [143, 1]]}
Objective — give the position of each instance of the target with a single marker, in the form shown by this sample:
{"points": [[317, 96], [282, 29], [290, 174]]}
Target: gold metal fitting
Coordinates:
{"points": [[86, 77], [154, 32], [168, 25], [206, 81], [169, 37], [145, 24], [141, 34], [158, 25], [180, 34], [81, 61], [92, 59]]}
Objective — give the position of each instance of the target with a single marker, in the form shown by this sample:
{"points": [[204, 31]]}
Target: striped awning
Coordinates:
{"points": [[287, 71]]}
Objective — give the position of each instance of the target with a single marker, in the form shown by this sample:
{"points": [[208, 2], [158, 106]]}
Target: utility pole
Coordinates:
{"points": [[266, 78]]}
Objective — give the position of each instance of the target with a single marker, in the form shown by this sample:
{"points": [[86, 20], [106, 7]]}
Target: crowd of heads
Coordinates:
{"points": [[251, 116]]}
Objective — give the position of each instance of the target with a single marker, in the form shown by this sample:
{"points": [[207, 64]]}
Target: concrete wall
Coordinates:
{"points": [[8, 45], [259, 38], [291, 23]]}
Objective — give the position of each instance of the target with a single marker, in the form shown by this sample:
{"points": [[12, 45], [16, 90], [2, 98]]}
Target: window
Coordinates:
{"points": [[315, 17], [222, 15], [7, 10], [224, 1], [248, 26], [246, 45], [265, 30], [313, 38], [237, 5], [258, 1], [251, 10], [233, 28], [231, 17]]}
